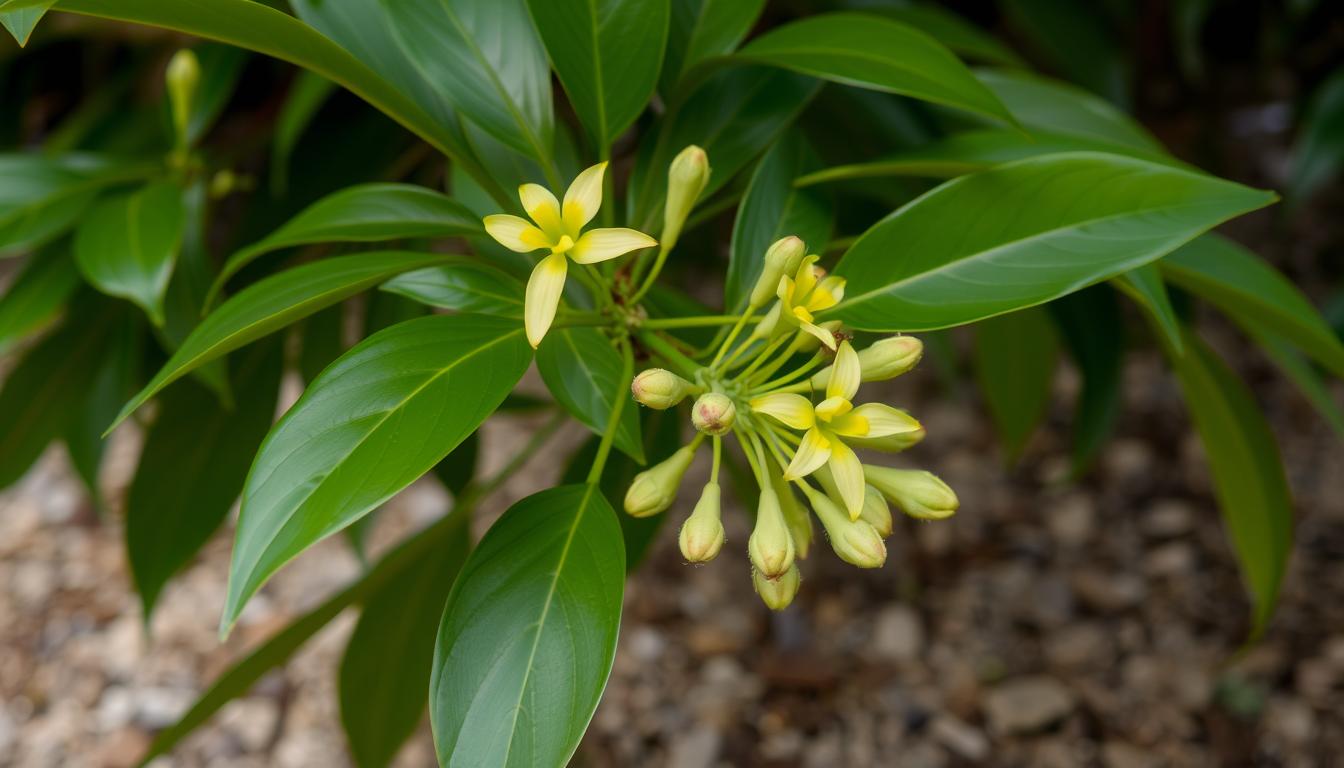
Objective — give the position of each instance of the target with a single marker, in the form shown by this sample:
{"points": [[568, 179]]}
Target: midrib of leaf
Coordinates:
{"points": [[597, 71]]}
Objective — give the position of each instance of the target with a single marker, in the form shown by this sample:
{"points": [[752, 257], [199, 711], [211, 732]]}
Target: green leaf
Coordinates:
{"points": [[185, 298], [1318, 154], [273, 303], [1247, 472], [322, 341], [1296, 367], [221, 66], [1025, 233], [21, 23], [388, 410], [1015, 358], [606, 55], [37, 295], [703, 29], [874, 52], [126, 246], [1093, 329], [306, 96], [583, 372], [43, 196], [960, 36], [1146, 287], [1049, 107], [384, 674], [1244, 286], [1078, 40], [195, 458], [773, 208], [363, 213], [484, 58], [463, 285], [112, 384], [529, 635]]}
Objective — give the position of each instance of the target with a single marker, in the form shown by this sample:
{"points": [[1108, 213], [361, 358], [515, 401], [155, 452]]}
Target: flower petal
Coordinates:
{"points": [[850, 424], [516, 233], [823, 335], [832, 407], [543, 296], [792, 410], [807, 276], [602, 244], [848, 473], [544, 209], [884, 421], [583, 198], [846, 373], [813, 451]]}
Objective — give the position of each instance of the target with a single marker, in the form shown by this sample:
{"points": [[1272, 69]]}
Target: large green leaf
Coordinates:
{"points": [[874, 52], [1015, 358], [363, 213], [1243, 285], [583, 372], [42, 196], [702, 29], [1024, 233], [1093, 329], [529, 635], [384, 674], [484, 58], [607, 56], [960, 36], [1052, 108], [1247, 472], [274, 303], [126, 245], [185, 299], [773, 208], [387, 411], [463, 285], [20, 23], [192, 468], [1146, 287], [37, 295]]}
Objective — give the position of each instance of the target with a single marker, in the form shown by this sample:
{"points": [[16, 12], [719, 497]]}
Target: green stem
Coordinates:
{"points": [[663, 250], [685, 365], [763, 355], [718, 457], [614, 420], [791, 375], [474, 492], [744, 439], [784, 357]]}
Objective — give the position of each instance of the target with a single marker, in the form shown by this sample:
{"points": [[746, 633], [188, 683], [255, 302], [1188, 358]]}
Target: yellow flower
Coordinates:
{"points": [[807, 293], [829, 422], [560, 228]]}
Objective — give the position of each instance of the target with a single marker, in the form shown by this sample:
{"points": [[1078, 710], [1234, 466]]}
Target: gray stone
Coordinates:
{"points": [[1027, 705], [961, 739], [898, 634], [1072, 520]]}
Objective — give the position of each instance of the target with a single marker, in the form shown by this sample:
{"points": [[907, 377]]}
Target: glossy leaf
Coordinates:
{"points": [[1147, 288], [1242, 285], [306, 96], [273, 303], [115, 380], [185, 297], [703, 29], [874, 52], [1093, 329], [1015, 358], [20, 23], [463, 285], [126, 246], [977, 246], [363, 213], [1049, 107], [773, 208], [192, 468], [42, 196], [1247, 472], [388, 410], [36, 296], [583, 372], [529, 634], [960, 36]]}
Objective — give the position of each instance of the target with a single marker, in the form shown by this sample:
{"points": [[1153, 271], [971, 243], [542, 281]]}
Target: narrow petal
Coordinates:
{"points": [[848, 473], [807, 276], [832, 407], [543, 296], [544, 209], [602, 244], [583, 198], [823, 335], [845, 374], [793, 410], [516, 233], [813, 451], [884, 421]]}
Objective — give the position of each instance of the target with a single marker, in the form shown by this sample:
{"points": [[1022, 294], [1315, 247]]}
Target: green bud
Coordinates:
{"points": [[855, 541], [182, 78], [883, 359], [918, 493], [781, 259], [713, 413], [660, 389], [875, 511], [702, 533], [654, 489], [796, 517], [770, 547], [686, 179], [777, 593]]}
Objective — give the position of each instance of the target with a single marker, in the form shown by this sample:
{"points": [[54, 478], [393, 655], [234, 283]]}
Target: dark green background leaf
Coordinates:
{"points": [[583, 372]]}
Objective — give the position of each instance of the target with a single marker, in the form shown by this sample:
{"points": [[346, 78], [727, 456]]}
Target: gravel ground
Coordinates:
{"points": [[1096, 623]]}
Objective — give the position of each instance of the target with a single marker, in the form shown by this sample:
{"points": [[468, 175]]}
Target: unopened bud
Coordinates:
{"points": [[875, 511], [781, 259], [796, 517], [881, 360], [654, 489], [686, 179], [918, 493], [702, 533], [713, 413], [660, 389], [770, 547], [182, 78], [855, 541], [777, 593]]}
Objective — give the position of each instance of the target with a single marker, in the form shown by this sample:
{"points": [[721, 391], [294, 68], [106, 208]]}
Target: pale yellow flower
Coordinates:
{"points": [[807, 293], [560, 228]]}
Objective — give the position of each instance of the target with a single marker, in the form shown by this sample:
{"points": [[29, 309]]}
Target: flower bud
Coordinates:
{"points": [[891, 443], [182, 78], [883, 359], [855, 541], [713, 413], [918, 493], [769, 326], [777, 593], [702, 533], [660, 389], [796, 517], [781, 259], [654, 489], [686, 179], [875, 511], [770, 547]]}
